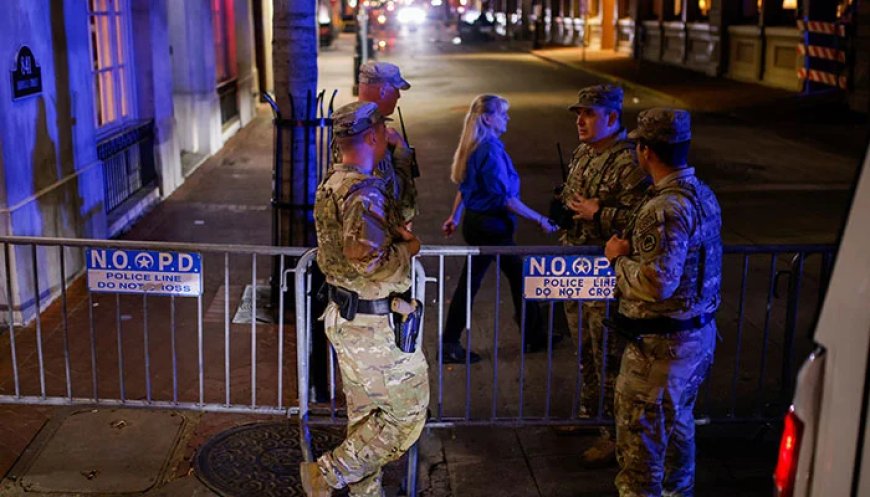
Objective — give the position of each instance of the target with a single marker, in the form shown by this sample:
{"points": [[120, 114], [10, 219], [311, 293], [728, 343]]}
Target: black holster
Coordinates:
{"points": [[407, 326], [346, 300]]}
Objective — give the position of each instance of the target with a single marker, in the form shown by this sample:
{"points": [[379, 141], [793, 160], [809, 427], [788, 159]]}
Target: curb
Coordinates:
{"points": [[615, 79]]}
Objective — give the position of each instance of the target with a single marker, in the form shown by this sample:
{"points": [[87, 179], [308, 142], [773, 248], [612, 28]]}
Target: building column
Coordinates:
{"points": [[248, 88], [295, 65], [608, 24], [154, 73], [197, 108]]}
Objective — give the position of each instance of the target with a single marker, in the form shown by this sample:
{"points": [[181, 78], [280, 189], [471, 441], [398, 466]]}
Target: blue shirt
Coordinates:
{"points": [[490, 178]]}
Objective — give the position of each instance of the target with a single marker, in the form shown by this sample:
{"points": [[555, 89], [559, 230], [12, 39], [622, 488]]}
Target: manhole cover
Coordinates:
{"points": [[260, 459]]}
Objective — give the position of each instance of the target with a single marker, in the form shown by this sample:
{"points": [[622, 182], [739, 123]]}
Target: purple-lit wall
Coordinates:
{"points": [[51, 180]]}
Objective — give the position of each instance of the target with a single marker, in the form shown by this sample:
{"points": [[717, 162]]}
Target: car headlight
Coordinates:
{"points": [[411, 15]]}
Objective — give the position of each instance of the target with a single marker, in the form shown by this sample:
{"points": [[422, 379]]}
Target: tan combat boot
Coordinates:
{"points": [[313, 482], [602, 453]]}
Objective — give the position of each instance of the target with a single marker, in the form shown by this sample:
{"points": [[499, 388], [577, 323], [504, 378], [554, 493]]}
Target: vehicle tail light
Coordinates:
{"points": [[789, 448]]}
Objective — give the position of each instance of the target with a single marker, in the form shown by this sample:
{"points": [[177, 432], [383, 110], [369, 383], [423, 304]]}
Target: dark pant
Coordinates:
{"points": [[481, 230], [319, 372]]}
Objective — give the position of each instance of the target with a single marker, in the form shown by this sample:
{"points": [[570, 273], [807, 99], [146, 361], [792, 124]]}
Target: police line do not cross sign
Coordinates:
{"points": [[571, 277], [144, 271]]}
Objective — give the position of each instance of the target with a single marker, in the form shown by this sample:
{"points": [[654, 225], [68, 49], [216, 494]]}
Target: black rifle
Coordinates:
{"points": [[415, 169], [559, 215]]}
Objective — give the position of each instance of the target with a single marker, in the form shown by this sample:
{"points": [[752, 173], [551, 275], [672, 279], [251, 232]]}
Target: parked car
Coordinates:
{"points": [[825, 448], [476, 26]]}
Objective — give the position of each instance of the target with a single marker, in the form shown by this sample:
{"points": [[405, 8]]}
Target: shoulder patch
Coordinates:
{"points": [[644, 223], [649, 242]]}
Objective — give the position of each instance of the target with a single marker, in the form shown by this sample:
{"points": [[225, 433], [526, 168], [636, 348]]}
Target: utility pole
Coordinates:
{"points": [[363, 48]]}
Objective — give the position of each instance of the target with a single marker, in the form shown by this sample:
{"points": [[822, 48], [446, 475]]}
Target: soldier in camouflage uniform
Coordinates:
{"points": [[382, 83], [668, 273], [364, 249], [602, 187]]}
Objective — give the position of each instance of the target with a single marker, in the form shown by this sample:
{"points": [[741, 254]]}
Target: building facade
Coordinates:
{"points": [[595, 24], [758, 41], [108, 105]]}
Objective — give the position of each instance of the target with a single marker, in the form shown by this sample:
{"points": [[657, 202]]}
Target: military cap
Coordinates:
{"points": [[607, 96], [353, 119], [382, 72], [661, 125]]}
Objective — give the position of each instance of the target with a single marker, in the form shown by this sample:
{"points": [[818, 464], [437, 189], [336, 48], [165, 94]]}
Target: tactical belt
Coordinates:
{"points": [[342, 297], [657, 326]]}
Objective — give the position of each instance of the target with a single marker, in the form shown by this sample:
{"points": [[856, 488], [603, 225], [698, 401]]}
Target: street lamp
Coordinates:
{"points": [[361, 54]]}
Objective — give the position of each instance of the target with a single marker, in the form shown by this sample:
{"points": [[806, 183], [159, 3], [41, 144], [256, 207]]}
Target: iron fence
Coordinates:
{"points": [[303, 154], [128, 163]]}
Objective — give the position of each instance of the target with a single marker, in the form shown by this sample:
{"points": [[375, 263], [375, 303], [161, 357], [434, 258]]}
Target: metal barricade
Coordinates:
{"points": [[188, 353], [759, 328], [140, 350]]}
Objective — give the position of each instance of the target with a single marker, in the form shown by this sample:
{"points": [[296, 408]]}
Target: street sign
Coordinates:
{"points": [[27, 75], [571, 277], [144, 271]]}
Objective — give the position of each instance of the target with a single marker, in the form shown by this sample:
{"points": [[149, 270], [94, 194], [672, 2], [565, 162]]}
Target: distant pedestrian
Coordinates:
{"points": [[489, 195], [365, 252], [668, 274], [603, 186]]}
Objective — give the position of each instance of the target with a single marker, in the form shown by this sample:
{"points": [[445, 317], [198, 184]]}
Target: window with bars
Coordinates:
{"points": [[109, 25]]}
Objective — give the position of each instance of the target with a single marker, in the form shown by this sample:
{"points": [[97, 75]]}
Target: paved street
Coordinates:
{"points": [[779, 178]]}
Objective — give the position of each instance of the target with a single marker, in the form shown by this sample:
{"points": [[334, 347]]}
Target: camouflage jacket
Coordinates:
{"points": [[396, 170], [357, 246], [613, 177], [675, 266]]}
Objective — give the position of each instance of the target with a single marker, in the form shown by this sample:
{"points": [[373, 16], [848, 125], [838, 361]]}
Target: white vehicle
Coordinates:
{"points": [[825, 448]]}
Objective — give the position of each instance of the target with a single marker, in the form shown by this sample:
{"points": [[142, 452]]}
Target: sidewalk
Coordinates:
{"points": [[823, 119], [685, 88]]}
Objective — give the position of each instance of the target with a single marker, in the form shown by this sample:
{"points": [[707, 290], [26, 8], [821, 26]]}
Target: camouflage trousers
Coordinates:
{"points": [[655, 427], [593, 354], [387, 394]]}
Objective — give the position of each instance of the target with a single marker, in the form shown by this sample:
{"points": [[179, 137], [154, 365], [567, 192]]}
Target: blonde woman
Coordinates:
{"points": [[489, 194]]}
